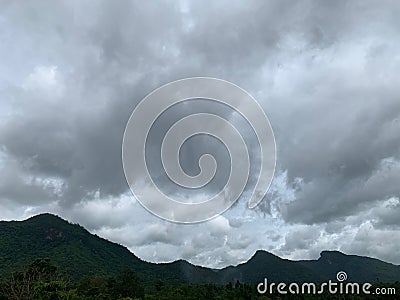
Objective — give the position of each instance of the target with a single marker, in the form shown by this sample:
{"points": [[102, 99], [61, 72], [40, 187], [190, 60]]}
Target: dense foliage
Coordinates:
{"points": [[42, 280]]}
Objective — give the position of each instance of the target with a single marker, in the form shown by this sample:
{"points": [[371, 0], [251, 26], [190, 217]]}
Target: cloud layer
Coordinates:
{"points": [[326, 74]]}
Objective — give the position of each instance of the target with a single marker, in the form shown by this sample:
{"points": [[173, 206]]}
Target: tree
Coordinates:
{"points": [[42, 269], [38, 282], [126, 284], [93, 287]]}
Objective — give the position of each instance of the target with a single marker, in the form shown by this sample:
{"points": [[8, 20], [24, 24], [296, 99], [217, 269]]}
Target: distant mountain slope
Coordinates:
{"points": [[358, 268], [81, 253], [266, 265]]}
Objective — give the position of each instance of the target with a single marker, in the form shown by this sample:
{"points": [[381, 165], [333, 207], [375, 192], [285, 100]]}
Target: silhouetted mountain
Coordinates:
{"points": [[358, 268], [267, 265], [81, 253]]}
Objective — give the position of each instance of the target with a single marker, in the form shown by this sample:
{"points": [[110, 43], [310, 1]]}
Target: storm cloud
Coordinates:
{"points": [[325, 72]]}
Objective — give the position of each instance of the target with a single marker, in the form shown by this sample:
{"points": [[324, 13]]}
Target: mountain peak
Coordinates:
{"points": [[45, 216], [331, 253], [260, 256], [47, 220], [262, 253]]}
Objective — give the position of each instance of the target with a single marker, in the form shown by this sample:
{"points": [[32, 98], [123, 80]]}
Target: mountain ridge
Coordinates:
{"points": [[81, 253]]}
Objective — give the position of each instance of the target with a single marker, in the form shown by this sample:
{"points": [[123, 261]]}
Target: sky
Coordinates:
{"points": [[325, 72]]}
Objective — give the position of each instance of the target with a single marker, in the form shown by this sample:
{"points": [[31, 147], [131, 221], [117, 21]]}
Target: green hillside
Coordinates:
{"points": [[70, 246], [80, 253]]}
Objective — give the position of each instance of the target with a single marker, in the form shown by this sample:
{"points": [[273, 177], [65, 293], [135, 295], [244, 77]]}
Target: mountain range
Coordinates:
{"points": [[79, 253]]}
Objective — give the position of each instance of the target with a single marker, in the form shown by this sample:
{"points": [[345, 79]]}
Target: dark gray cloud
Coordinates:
{"points": [[326, 73]]}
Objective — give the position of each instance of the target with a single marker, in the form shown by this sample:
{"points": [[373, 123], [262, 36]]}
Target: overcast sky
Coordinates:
{"points": [[327, 73]]}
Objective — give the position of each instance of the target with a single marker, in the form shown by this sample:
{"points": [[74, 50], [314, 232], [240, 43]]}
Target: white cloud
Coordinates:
{"points": [[44, 79]]}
